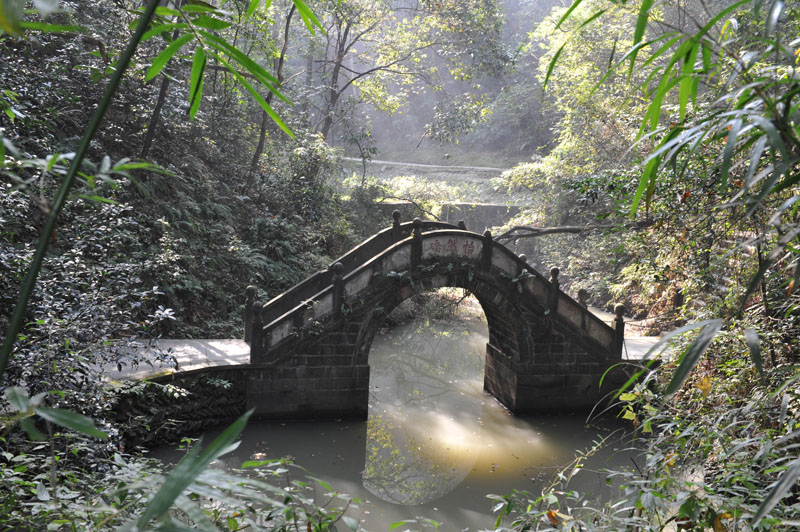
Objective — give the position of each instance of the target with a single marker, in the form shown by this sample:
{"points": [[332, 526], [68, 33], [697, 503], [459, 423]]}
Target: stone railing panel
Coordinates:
{"points": [[505, 262], [451, 245], [398, 260]]}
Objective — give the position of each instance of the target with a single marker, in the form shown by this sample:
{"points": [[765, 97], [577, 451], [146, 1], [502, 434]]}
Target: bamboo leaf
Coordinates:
{"points": [[253, 92], [784, 484], [30, 429], [163, 58], [569, 11], [195, 513], [158, 30], [644, 182], [552, 65], [592, 19], [774, 15], [18, 398], [50, 28], [772, 132], [71, 420], [687, 80], [753, 344], [252, 7], [196, 81], [97, 199], [10, 15], [164, 11], [308, 16], [727, 153], [211, 23], [692, 354], [635, 49], [234, 53], [188, 469], [641, 26]]}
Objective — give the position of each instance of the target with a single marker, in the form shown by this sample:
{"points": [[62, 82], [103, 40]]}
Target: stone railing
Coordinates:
{"points": [[345, 264], [320, 297]]}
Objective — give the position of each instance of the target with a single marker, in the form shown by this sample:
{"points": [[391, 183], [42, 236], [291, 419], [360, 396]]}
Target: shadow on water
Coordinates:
{"points": [[435, 443]]}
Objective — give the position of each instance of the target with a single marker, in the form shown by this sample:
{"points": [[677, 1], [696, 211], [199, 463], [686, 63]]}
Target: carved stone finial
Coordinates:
{"points": [[258, 306], [396, 216], [250, 292], [337, 269], [619, 310], [487, 234], [417, 222], [462, 225], [523, 257], [554, 271]]}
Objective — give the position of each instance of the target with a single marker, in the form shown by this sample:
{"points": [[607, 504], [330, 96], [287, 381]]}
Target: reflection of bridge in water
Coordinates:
{"points": [[309, 347]]}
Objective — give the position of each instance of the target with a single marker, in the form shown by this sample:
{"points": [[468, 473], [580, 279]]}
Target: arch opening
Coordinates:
{"points": [[426, 400]]}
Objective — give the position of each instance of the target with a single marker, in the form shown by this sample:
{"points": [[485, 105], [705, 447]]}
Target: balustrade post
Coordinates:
{"points": [[257, 331], [396, 232], [249, 298], [486, 252], [583, 300], [619, 329], [462, 225], [338, 289], [555, 284], [416, 245], [583, 297]]}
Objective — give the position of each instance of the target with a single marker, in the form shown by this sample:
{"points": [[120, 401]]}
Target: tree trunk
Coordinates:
{"points": [[333, 87], [162, 96], [262, 137], [151, 128]]}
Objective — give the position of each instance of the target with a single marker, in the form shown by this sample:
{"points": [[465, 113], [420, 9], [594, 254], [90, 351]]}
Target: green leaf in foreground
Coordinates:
{"points": [[784, 484], [753, 344], [17, 398], [163, 58], [71, 420], [692, 354], [187, 471], [651, 356], [551, 66]]}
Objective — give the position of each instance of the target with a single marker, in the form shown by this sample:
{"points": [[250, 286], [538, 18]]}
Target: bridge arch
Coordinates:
{"points": [[506, 332], [310, 358]]}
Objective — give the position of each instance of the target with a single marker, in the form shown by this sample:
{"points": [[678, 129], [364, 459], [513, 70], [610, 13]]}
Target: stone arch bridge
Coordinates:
{"points": [[309, 347]]}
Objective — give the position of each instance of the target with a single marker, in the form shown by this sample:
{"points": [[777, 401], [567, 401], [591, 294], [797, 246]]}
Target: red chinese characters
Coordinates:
{"points": [[469, 247]]}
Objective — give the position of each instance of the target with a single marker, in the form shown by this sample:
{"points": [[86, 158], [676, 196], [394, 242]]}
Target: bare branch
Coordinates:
{"points": [[520, 232], [422, 209]]}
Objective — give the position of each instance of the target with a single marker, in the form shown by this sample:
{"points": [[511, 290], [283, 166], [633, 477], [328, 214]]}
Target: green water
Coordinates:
{"points": [[435, 443]]}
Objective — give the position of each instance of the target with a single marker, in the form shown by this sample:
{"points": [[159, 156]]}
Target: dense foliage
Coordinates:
{"points": [[681, 115], [668, 133]]}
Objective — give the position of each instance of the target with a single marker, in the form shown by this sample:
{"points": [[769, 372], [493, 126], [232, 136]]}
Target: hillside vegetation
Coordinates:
{"points": [[655, 151]]}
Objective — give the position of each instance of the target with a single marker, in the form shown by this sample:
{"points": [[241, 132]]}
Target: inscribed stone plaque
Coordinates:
{"points": [[451, 246]]}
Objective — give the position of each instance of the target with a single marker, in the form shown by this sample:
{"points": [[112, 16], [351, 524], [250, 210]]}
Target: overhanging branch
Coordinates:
{"points": [[520, 232]]}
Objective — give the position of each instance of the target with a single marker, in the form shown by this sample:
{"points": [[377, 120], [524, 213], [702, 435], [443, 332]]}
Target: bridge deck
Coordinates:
{"points": [[198, 354]]}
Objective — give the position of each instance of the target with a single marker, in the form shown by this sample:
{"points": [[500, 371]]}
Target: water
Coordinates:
{"points": [[435, 443]]}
